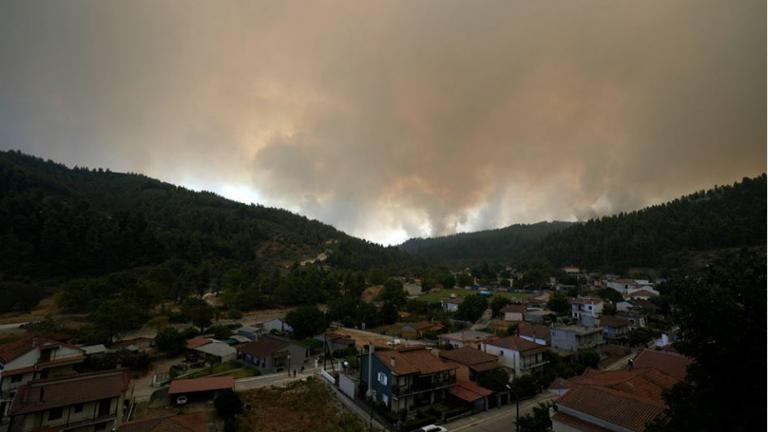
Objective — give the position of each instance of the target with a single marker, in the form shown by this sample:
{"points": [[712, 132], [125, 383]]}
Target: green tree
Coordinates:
{"points": [[448, 281], [170, 341], [115, 316], [393, 292], [558, 303], [495, 379], [497, 303], [463, 280], [198, 311], [306, 321], [537, 421], [227, 404], [711, 306], [472, 308]]}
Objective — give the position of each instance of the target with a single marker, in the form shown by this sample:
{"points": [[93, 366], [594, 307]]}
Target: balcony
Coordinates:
{"points": [[407, 390]]}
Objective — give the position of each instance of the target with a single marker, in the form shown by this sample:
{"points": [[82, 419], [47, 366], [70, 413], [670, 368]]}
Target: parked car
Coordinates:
{"points": [[433, 428], [181, 400]]}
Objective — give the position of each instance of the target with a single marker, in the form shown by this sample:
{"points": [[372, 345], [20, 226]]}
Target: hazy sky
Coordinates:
{"points": [[391, 119]]}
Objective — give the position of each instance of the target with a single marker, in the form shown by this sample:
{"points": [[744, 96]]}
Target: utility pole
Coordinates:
{"points": [[369, 391]]}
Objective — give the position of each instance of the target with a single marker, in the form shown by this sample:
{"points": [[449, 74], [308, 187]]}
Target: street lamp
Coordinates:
{"points": [[517, 408]]}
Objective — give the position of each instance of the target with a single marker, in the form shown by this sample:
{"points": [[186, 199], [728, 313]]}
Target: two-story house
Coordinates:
{"points": [[407, 378], [32, 358], [586, 310], [513, 312], [574, 337], [87, 402], [520, 355], [273, 354]]}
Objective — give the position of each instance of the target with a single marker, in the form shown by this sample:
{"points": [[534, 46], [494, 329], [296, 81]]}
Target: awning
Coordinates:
{"points": [[469, 391]]}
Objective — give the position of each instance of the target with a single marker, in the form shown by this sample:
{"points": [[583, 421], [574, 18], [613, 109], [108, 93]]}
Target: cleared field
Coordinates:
{"points": [[460, 292]]}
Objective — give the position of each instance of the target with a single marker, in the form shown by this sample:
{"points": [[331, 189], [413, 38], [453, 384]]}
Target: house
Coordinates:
{"points": [[614, 327], [406, 378], [572, 338], [31, 358], [644, 294], [200, 388], [459, 339], [272, 354], [452, 304], [251, 333], [634, 318], [536, 315], [470, 393], [623, 400], [194, 422], [623, 286], [82, 402], [470, 362], [669, 362], [201, 347], [536, 333], [586, 307], [499, 327], [276, 325], [520, 355], [336, 342], [513, 312]]}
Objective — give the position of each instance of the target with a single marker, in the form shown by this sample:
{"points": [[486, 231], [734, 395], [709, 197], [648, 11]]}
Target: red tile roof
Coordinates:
{"points": [[469, 391], [577, 424], [69, 390], [201, 384], [197, 342], [513, 308], [13, 350], [612, 321], [412, 360], [671, 363], [642, 293], [264, 347], [172, 423], [471, 357], [537, 331], [612, 406], [516, 343]]}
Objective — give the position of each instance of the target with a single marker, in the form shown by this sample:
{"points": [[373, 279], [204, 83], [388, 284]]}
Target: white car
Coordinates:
{"points": [[181, 400], [433, 428]]}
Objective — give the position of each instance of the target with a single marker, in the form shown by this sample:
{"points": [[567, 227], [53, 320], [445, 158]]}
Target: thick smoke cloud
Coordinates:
{"points": [[396, 119]]}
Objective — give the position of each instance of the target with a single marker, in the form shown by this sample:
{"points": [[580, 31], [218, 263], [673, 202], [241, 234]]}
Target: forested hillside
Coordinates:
{"points": [[504, 244], [721, 217], [61, 225]]}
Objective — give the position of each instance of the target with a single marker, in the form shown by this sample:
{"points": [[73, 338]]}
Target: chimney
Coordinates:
{"points": [[392, 362]]}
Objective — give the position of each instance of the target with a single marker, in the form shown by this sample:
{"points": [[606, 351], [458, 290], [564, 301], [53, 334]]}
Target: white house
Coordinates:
{"points": [[520, 355], [586, 306], [276, 324], [452, 304], [513, 312]]}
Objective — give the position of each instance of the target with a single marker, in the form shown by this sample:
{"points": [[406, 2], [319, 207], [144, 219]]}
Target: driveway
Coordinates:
{"points": [[498, 420]]}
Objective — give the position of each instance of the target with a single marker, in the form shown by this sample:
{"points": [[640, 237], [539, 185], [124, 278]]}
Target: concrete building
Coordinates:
{"points": [[273, 354], [81, 403], [465, 338], [520, 355], [572, 338]]}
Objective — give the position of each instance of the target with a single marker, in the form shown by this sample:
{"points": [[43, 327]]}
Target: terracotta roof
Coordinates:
{"points": [[646, 382], [612, 321], [469, 391], [69, 390], [577, 424], [612, 406], [197, 342], [671, 363], [172, 423], [471, 357], [264, 347], [533, 330], [201, 384], [513, 308], [516, 343], [13, 350], [412, 360]]}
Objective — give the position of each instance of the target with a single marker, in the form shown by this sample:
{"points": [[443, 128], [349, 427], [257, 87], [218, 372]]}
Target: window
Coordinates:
{"points": [[55, 413], [79, 408], [16, 378], [382, 378]]}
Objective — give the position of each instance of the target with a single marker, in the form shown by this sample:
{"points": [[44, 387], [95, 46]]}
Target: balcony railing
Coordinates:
{"points": [[406, 390]]}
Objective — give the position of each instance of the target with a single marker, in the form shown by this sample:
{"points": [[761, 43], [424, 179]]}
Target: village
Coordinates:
{"points": [[588, 351]]}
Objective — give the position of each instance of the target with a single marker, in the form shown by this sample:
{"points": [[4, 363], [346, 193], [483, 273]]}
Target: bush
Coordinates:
{"points": [[228, 404], [170, 341]]}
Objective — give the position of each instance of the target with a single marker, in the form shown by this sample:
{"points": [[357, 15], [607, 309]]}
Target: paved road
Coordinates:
{"points": [[483, 321], [277, 379], [497, 420]]}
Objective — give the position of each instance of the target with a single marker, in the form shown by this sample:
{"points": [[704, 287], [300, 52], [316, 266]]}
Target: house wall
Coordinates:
{"points": [[377, 367], [513, 316], [87, 416], [507, 357]]}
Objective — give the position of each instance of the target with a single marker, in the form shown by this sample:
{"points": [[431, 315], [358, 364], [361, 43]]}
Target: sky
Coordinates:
{"points": [[395, 119]]}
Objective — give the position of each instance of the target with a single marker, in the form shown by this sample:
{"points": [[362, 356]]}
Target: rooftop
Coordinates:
{"points": [[265, 346], [412, 360], [613, 321], [516, 343], [13, 350], [69, 390], [669, 362], [201, 384], [538, 331], [471, 357], [172, 423], [577, 329]]}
